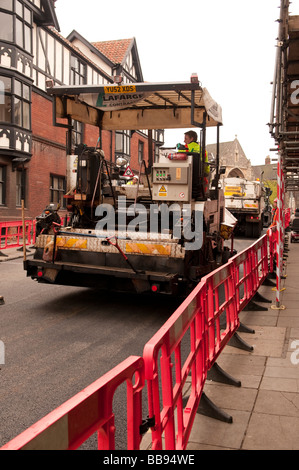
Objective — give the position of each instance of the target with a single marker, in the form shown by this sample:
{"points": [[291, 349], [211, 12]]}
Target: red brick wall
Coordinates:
{"points": [[108, 144], [46, 159], [42, 120], [134, 164], [49, 153]]}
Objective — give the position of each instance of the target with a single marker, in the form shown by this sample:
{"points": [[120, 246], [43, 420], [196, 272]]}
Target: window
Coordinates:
{"points": [[78, 71], [16, 24], [140, 151], [2, 185], [14, 102], [6, 5], [23, 27], [20, 187], [158, 136], [57, 190], [36, 2], [5, 99], [6, 22], [77, 133], [22, 105], [122, 143]]}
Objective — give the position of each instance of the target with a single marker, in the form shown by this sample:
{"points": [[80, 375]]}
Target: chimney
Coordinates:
{"points": [[267, 160]]}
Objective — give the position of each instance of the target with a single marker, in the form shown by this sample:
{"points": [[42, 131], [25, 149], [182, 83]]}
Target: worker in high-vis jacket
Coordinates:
{"points": [[191, 145], [274, 213], [134, 180]]}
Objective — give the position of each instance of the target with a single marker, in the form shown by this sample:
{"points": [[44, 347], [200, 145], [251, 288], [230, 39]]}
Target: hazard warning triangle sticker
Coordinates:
{"points": [[128, 172]]}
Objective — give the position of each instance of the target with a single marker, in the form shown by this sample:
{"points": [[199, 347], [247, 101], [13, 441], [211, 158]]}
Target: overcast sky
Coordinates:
{"points": [[230, 44]]}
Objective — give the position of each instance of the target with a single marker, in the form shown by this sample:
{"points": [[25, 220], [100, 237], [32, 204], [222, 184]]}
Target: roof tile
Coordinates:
{"points": [[114, 50]]}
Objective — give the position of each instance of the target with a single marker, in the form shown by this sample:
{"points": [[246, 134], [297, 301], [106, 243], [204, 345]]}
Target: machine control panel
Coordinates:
{"points": [[172, 181]]}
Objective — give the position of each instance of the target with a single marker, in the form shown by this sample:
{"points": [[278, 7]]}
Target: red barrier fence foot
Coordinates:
{"points": [[3, 254], [237, 342], [21, 249], [260, 298], [252, 306], [217, 374], [245, 329], [268, 281], [208, 408], [272, 275]]}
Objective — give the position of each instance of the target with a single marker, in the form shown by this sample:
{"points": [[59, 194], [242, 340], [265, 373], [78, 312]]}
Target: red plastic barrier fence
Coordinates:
{"points": [[186, 325], [221, 314], [259, 256], [212, 312], [251, 268], [242, 263], [11, 233], [90, 411]]}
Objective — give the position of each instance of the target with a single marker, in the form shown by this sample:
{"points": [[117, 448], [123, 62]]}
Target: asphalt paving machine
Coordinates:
{"points": [[158, 236]]}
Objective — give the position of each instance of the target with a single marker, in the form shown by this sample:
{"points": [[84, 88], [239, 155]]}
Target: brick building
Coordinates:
{"points": [[33, 149]]}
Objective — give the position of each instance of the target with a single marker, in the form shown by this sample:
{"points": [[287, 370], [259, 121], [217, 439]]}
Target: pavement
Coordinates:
{"points": [[8, 254], [264, 406]]}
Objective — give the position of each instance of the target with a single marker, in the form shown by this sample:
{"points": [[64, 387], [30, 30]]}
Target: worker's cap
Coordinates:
{"points": [[275, 200]]}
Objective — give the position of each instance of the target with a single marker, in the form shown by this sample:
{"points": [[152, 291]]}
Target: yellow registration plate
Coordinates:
{"points": [[120, 89]]}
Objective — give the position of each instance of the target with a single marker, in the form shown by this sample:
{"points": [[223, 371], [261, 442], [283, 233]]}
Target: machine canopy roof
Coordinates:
{"points": [[136, 106]]}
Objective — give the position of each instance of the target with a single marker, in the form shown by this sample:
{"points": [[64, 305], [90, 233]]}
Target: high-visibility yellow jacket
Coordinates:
{"points": [[195, 147]]}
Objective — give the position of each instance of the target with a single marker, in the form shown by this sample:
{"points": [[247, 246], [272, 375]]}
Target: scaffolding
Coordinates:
{"points": [[284, 120]]}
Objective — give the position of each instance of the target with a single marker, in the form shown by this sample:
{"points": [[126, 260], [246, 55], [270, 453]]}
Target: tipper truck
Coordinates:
{"points": [[245, 200]]}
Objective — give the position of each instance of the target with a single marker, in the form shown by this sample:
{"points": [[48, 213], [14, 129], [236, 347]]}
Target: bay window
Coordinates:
{"points": [[15, 99]]}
